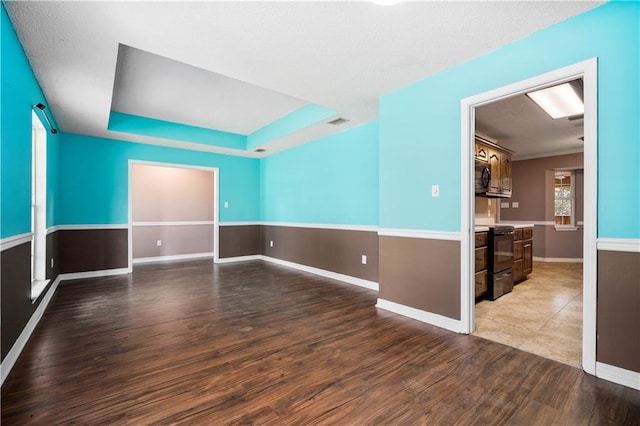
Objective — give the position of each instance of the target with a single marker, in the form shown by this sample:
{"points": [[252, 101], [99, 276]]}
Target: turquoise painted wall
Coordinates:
{"points": [[145, 126], [332, 180], [420, 124], [299, 119], [19, 91], [93, 179]]}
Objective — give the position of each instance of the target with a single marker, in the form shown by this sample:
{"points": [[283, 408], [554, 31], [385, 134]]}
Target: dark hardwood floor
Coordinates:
{"points": [[258, 343]]}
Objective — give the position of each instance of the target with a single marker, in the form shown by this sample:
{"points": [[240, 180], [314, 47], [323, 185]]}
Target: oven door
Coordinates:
{"points": [[502, 251], [482, 177]]}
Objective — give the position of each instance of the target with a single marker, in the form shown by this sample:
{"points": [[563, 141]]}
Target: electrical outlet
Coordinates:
{"points": [[435, 190], [159, 243], [52, 262], [270, 243], [226, 204], [364, 259]]}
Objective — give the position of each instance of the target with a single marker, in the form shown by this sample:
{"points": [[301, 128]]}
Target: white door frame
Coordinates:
{"points": [[216, 194], [588, 70]]}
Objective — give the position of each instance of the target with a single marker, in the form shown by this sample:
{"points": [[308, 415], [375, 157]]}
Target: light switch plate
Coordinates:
{"points": [[364, 259], [159, 243], [270, 243], [515, 204], [504, 205], [435, 190], [226, 204]]}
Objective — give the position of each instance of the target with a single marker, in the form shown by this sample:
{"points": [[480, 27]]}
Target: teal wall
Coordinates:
{"points": [[420, 124], [332, 180], [138, 125], [299, 119], [19, 91], [93, 179]]}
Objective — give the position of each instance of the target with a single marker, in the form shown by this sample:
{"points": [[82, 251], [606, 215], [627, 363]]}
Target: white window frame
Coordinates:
{"points": [[572, 220], [38, 206]]}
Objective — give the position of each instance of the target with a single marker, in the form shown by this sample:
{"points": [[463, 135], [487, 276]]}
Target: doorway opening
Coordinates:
{"points": [[173, 212], [38, 206], [506, 206]]}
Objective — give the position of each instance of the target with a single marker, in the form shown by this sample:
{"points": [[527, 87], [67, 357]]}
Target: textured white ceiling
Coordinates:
{"points": [[156, 87], [520, 125], [342, 55]]}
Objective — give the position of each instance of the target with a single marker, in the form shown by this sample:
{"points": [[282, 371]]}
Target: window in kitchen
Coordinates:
{"points": [[564, 198]]}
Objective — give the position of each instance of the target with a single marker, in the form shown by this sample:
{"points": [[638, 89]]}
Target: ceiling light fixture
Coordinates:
{"points": [[559, 101], [41, 107]]}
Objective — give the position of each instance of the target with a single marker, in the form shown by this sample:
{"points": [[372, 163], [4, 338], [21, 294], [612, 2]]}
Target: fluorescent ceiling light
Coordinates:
{"points": [[558, 101]]}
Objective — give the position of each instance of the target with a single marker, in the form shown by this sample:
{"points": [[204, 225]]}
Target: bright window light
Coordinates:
{"points": [[558, 101]]}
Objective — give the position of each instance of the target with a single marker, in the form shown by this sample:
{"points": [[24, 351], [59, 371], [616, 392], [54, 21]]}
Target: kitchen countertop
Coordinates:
{"points": [[518, 225]]}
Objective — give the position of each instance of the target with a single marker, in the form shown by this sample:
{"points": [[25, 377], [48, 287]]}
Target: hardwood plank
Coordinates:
{"points": [[256, 343]]}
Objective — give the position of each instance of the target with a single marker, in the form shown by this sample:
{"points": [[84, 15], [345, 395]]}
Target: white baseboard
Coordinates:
{"points": [[628, 378], [93, 274], [558, 259], [420, 315], [239, 258], [22, 340], [191, 256], [371, 285]]}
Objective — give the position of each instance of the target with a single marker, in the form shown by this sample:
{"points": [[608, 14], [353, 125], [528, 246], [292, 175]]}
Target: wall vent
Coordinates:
{"points": [[259, 150], [337, 121]]}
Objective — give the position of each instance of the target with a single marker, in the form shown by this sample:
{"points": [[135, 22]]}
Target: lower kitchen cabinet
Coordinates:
{"points": [[481, 283], [522, 254], [481, 264]]}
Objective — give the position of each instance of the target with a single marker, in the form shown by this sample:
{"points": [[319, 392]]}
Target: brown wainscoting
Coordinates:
{"points": [[240, 240], [618, 320], [176, 240], [92, 249], [52, 253], [421, 273], [562, 244], [335, 250], [15, 279]]}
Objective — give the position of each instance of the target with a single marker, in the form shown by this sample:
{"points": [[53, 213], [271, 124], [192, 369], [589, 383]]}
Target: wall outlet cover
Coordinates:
{"points": [[435, 190], [364, 259], [226, 204], [270, 243], [515, 204], [159, 243]]}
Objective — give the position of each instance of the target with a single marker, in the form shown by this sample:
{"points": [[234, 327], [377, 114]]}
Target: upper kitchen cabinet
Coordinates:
{"points": [[498, 161], [505, 173]]}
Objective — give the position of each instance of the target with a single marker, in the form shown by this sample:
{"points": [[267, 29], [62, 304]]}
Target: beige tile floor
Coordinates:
{"points": [[542, 315]]}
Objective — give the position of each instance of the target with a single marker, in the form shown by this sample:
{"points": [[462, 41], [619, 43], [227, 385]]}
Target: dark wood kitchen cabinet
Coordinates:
{"points": [[505, 174], [527, 251], [522, 254], [481, 264], [499, 162], [495, 165]]}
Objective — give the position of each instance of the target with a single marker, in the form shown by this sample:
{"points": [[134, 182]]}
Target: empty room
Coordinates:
{"points": [[300, 212]]}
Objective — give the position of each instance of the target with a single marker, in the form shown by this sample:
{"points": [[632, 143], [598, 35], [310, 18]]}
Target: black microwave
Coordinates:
{"points": [[482, 177]]}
